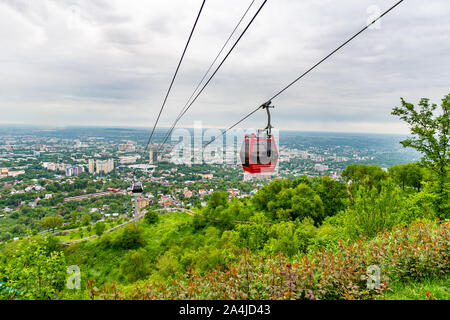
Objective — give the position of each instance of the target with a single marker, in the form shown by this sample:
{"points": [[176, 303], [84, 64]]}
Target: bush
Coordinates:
{"points": [[168, 264], [99, 228], [374, 211], [134, 266], [32, 273], [151, 217], [420, 251], [130, 237], [296, 203], [5, 236]]}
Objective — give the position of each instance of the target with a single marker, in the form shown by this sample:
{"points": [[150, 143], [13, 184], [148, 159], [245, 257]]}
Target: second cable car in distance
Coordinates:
{"points": [[259, 151], [136, 188]]}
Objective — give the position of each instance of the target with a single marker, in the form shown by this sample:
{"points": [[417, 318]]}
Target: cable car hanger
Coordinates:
{"points": [[269, 127]]}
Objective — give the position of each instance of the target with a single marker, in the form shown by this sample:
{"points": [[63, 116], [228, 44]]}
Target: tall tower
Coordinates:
{"points": [[91, 166], [153, 156]]}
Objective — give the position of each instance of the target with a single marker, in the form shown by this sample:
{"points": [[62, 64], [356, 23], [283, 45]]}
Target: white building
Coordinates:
{"points": [[91, 166], [320, 167], [105, 166], [153, 156], [128, 159]]}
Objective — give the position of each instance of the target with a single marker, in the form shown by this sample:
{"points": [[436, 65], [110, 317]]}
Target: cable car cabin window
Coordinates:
{"points": [[244, 153], [247, 151], [136, 187], [262, 151]]}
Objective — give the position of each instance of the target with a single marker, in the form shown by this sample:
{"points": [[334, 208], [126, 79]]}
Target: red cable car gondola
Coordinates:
{"points": [[259, 151]]}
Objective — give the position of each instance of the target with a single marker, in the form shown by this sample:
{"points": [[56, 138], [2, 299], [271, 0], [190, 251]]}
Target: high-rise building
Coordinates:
{"points": [[105, 166], [91, 166], [74, 171], [153, 156], [55, 166]]}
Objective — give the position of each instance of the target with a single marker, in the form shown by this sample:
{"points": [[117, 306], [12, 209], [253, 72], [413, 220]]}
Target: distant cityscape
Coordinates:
{"points": [[52, 169], [102, 155]]}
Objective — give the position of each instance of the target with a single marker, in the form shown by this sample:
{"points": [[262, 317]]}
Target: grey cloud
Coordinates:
{"points": [[116, 61]]}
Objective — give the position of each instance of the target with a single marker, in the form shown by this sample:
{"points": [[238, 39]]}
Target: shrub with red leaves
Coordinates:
{"points": [[406, 253]]}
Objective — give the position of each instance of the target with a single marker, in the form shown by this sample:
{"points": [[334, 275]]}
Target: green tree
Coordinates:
{"points": [[168, 264], [151, 217], [73, 217], [52, 222], [135, 265], [99, 228], [252, 236], [374, 211], [5, 236], [218, 199], [407, 175], [297, 203], [307, 203], [96, 216], [282, 239], [369, 174], [430, 136], [85, 219], [333, 194], [130, 237]]}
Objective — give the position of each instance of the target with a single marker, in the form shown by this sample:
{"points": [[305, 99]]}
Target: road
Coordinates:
{"points": [[91, 195]]}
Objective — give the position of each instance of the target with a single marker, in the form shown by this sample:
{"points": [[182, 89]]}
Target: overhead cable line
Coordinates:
{"points": [[174, 76], [212, 76], [209, 68], [305, 73]]}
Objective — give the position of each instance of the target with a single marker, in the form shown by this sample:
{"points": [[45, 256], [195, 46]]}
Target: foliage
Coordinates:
{"points": [[289, 200], [168, 264], [33, 272], [417, 252], [218, 199], [151, 217], [99, 228], [285, 223], [131, 237], [369, 175], [407, 175], [374, 211], [430, 136], [285, 238], [134, 265], [52, 222], [333, 194], [85, 219]]}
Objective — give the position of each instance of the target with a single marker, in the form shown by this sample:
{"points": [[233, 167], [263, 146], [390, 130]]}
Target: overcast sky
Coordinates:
{"points": [[110, 62]]}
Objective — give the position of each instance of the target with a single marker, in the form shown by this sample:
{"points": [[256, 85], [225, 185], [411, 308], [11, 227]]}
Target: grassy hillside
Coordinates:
{"points": [[404, 256], [295, 238], [430, 289], [101, 259]]}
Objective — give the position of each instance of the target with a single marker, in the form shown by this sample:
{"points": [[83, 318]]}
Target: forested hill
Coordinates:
{"points": [[294, 238]]}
